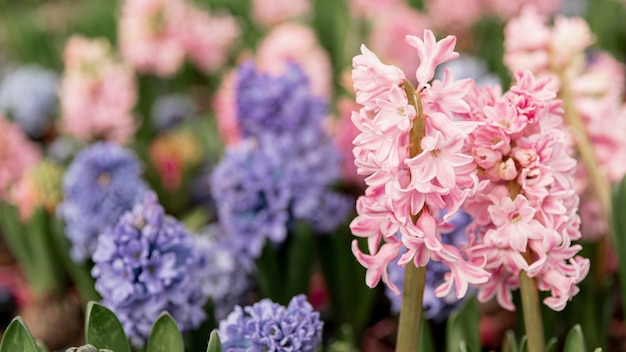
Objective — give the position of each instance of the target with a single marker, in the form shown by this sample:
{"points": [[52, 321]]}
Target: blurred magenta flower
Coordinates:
{"points": [[97, 93]]}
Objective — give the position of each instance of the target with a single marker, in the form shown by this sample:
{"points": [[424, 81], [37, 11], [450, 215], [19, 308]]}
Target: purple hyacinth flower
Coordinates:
{"points": [[148, 264], [268, 326], [170, 110], [102, 182]]}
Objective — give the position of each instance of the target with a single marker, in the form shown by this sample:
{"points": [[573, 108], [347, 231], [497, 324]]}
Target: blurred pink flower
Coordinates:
{"points": [[344, 132], [393, 22], [17, 154], [39, 186], [208, 38], [225, 106], [371, 8], [506, 9], [272, 12], [97, 92], [150, 35], [297, 43]]}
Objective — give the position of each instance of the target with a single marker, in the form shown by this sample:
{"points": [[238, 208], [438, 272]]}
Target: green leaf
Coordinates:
{"points": [[463, 326], [426, 343], [17, 337], [523, 344], [103, 329], [551, 345], [40, 346], [165, 336], [215, 345], [619, 233], [509, 344], [575, 341]]}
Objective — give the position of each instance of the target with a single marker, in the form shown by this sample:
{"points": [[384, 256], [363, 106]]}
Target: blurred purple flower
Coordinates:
{"points": [[267, 326], [29, 96], [100, 184], [222, 275], [145, 265], [170, 110], [435, 308]]}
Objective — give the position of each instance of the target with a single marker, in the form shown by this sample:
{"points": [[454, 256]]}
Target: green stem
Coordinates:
{"points": [[411, 313], [414, 277], [532, 313]]}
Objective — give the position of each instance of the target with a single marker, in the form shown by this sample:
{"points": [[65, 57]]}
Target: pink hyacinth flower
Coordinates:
{"points": [[17, 154]]}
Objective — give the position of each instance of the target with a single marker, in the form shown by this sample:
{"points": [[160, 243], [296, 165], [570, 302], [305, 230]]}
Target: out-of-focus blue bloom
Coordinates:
{"points": [[283, 170], [101, 183], [434, 308], [222, 274], [28, 95], [252, 203], [267, 326], [276, 105], [170, 110], [145, 265]]}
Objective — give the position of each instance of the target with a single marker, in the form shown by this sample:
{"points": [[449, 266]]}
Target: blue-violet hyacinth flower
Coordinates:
{"points": [[146, 265], [29, 95], [252, 204], [284, 168], [268, 326], [102, 182], [222, 274], [435, 308]]}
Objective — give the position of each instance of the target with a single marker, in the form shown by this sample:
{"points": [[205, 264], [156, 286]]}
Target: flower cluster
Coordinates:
{"points": [[34, 114], [275, 11], [595, 85], [282, 168], [145, 265], [435, 308], [101, 183], [97, 92], [17, 155], [267, 326], [411, 149], [157, 35], [525, 219], [39, 186]]}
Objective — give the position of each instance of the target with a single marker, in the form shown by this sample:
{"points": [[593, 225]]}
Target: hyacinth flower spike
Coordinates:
{"points": [[410, 148]]}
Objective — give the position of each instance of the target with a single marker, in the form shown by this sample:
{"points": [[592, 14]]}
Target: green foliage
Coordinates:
{"points": [[104, 330], [574, 342], [165, 336], [619, 231], [215, 344], [462, 330], [17, 337]]}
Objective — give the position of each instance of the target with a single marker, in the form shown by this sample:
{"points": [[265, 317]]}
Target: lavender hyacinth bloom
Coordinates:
{"points": [[222, 274], [435, 308], [101, 183], [28, 95], [276, 105], [252, 203], [283, 170], [145, 265], [267, 326]]}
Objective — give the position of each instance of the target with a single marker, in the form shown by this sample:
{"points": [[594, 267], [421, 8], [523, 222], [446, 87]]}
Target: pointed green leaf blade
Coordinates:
{"points": [[510, 342], [215, 345], [575, 341], [165, 336], [551, 345], [463, 327], [40, 346], [103, 329], [17, 337]]}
